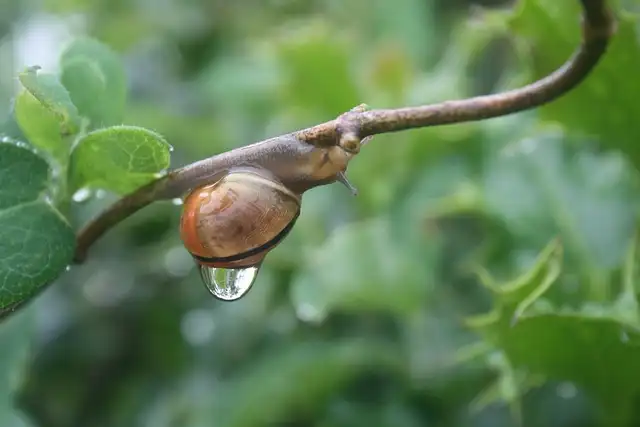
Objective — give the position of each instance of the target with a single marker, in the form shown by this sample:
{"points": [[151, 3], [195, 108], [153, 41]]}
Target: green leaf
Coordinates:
{"points": [[595, 347], [40, 125], [94, 76], [598, 353], [23, 176], [47, 89], [36, 243], [362, 267], [605, 104], [118, 158], [514, 298], [539, 189]]}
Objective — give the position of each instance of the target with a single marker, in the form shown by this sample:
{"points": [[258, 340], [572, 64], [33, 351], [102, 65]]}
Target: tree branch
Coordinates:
{"points": [[598, 26]]}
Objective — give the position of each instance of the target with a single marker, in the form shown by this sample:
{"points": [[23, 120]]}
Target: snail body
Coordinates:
{"points": [[297, 165], [235, 221]]}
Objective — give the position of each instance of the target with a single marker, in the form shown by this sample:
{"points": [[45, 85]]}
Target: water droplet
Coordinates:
{"points": [[100, 194], [229, 284], [67, 268], [82, 195], [177, 201]]}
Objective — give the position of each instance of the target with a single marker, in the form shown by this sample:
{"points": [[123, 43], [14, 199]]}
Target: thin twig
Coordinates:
{"points": [[598, 26]]}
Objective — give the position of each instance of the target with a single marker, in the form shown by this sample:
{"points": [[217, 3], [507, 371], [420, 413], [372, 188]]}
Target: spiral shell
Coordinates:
{"points": [[236, 221]]}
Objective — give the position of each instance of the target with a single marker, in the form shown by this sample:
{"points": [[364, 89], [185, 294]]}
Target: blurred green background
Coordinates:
{"points": [[359, 318]]}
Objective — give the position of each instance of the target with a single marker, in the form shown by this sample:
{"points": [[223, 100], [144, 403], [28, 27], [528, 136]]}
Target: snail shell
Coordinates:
{"points": [[236, 221]]}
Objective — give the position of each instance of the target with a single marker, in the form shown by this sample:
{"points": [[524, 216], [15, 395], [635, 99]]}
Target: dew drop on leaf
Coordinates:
{"points": [[228, 284]]}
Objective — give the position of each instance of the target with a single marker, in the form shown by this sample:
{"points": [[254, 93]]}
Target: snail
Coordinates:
{"points": [[231, 221], [237, 220]]}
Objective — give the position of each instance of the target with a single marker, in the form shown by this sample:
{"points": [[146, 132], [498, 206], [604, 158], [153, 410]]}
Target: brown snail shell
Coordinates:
{"points": [[236, 221]]}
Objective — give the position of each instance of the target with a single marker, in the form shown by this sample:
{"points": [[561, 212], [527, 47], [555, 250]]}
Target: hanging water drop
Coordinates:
{"points": [[229, 284]]}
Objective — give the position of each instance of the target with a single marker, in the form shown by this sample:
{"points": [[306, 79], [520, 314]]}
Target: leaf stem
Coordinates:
{"points": [[598, 26]]}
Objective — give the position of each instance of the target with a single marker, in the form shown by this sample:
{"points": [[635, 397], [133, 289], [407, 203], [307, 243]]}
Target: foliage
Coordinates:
{"points": [[485, 273]]}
